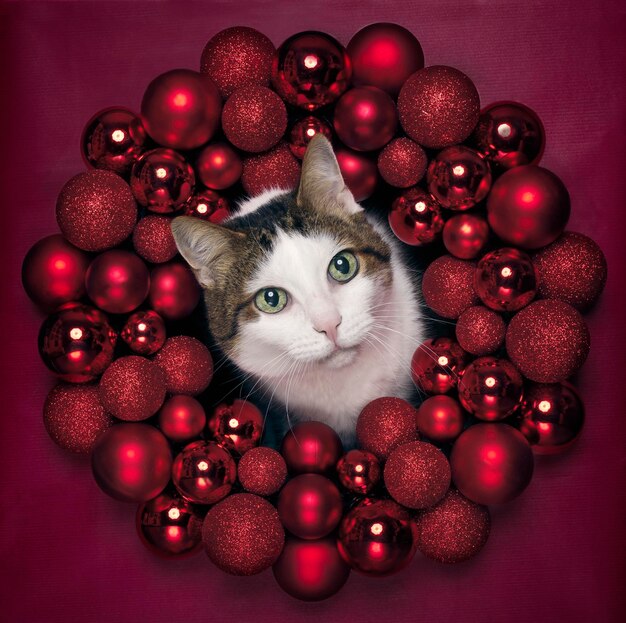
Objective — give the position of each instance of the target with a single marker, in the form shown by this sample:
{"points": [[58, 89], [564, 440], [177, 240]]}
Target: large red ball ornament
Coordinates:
{"points": [[311, 69], [53, 272], [359, 172], [465, 235], [153, 240], [311, 447], [402, 163], [181, 418], [277, 168], [384, 55], [204, 472], [311, 570], [96, 210], [117, 281], [174, 291], [132, 462], [438, 106], [208, 205], [77, 343], [359, 471], [528, 207], [491, 463], [437, 364], [377, 537], [237, 426], [218, 166], [243, 535], [415, 217], [187, 364], [181, 109], [480, 331], [262, 470], [548, 341], [144, 332], [440, 419], [303, 131]]}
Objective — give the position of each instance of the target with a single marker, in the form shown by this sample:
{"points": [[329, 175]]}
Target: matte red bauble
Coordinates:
{"points": [[277, 168], [218, 166], [174, 291], [402, 163], [440, 419], [415, 217], [303, 131], [359, 172], [187, 364], [359, 471], [144, 332], [181, 418], [153, 240], [437, 364], [132, 462], [208, 206], [465, 235], [311, 447], [262, 471], [480, 331], [237, 426], [204, 472], [491, 463]]}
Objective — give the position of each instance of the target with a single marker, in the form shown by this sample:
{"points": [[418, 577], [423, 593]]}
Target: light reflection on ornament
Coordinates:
{"points": [[118, 135], [310, 61]]}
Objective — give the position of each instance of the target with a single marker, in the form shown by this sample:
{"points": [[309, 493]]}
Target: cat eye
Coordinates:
{"points": [[343, 266], [270, 300]]}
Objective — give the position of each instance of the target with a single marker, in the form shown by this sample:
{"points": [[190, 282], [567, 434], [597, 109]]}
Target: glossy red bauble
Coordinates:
{"points": [[402, 163], [174, 291], [465, 235], [219, 166], [153, 240], [262, 471], [415, 217], [181, 418], [358, 171], [311, 447], [437, 364], [208, 205], [144, 332], [237, 426], [440, 419], [480, 331], [187, 364], [359, 471], [303, 131]]}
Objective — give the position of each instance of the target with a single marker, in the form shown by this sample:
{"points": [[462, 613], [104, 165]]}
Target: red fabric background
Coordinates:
{"points": [[69, 553]]}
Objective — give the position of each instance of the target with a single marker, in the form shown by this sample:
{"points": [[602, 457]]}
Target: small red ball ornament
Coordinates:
{"points": [[219, 166], [277, 168], [359, 471], [437, 364], [208, 206], [303, 131], [174, 291], [262, 471], [182, 418], [153, 240], [237, 427], [465, 235], [480, 331], [359, 172], [311, 447], [144, 332], [187, 364], [440, 419], [402, 163], [415, 217]]}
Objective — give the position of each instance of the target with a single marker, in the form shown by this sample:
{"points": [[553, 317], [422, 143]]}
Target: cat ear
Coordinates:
{"points": [[321, 184], [209, 249]]}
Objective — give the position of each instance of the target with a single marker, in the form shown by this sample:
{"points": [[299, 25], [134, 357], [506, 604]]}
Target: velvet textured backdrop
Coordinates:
{"points": [[69, 553]]}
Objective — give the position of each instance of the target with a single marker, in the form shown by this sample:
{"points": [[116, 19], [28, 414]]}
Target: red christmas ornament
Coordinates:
{"points": [[384, 55], [208, 206], [509, 134], [311, 69], [132, 388], [454, 530], [132, 462], [153, 240], [480, 331], [277, 168], [505, 280], [113, 139], [182, 418], [438, 106], [144, 332], [440, 418], [402, 163], [448, 286], [218, 166], [437, 364], [384, 424], [169, 526], [96, 210], [377, 537], [117, 281], [490, 388], [465, 235], [548, 341], [181, 109], [311, 570], [415, 217], [53, 272], [359, 471], [162, 180], [311, 447], [204, 472], [303, 131], [572, 269], [491, 463], [358, 171], [237, 426], [528, 207], [243, 535], [74, 417], [238, 57], [77, 343], [174, 291], [262, 471], [187, 364]]}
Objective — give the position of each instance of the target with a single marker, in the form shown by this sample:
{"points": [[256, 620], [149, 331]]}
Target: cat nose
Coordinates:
{"points": [[329, 326]]}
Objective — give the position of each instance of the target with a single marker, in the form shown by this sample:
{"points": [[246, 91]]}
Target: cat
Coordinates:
{"points": [[309, 296]]}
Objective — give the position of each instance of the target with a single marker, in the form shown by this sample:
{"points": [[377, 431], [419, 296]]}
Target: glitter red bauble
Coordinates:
{"points": [[311, 447], [77, 343], [377, 537], [309, 506], [480, 331], [548, 341], [384, 55], [181, 418], [218, 166], [187, 364], [237, 57], [528, 207], [153, 240], [208, 205], [359, 471], [303, 131], [237, 426], [437, 364], [311, 69], [438, 106], [132, 462], [243, 535], [505, 280], [74, 417], [117, 281], [262, 471], [415, 217], [572, 269], [204, 472], [440, 419], [113, 139], [448, 286], [310, 570], [454, 530], [96, 210], [181, 109], [132, 388], [491, 463], [174, 291], [53, 272], [277, 168], [402, 163], [162, 181], [465, 235], [359, 172], [384, 424], [144, 332]]}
